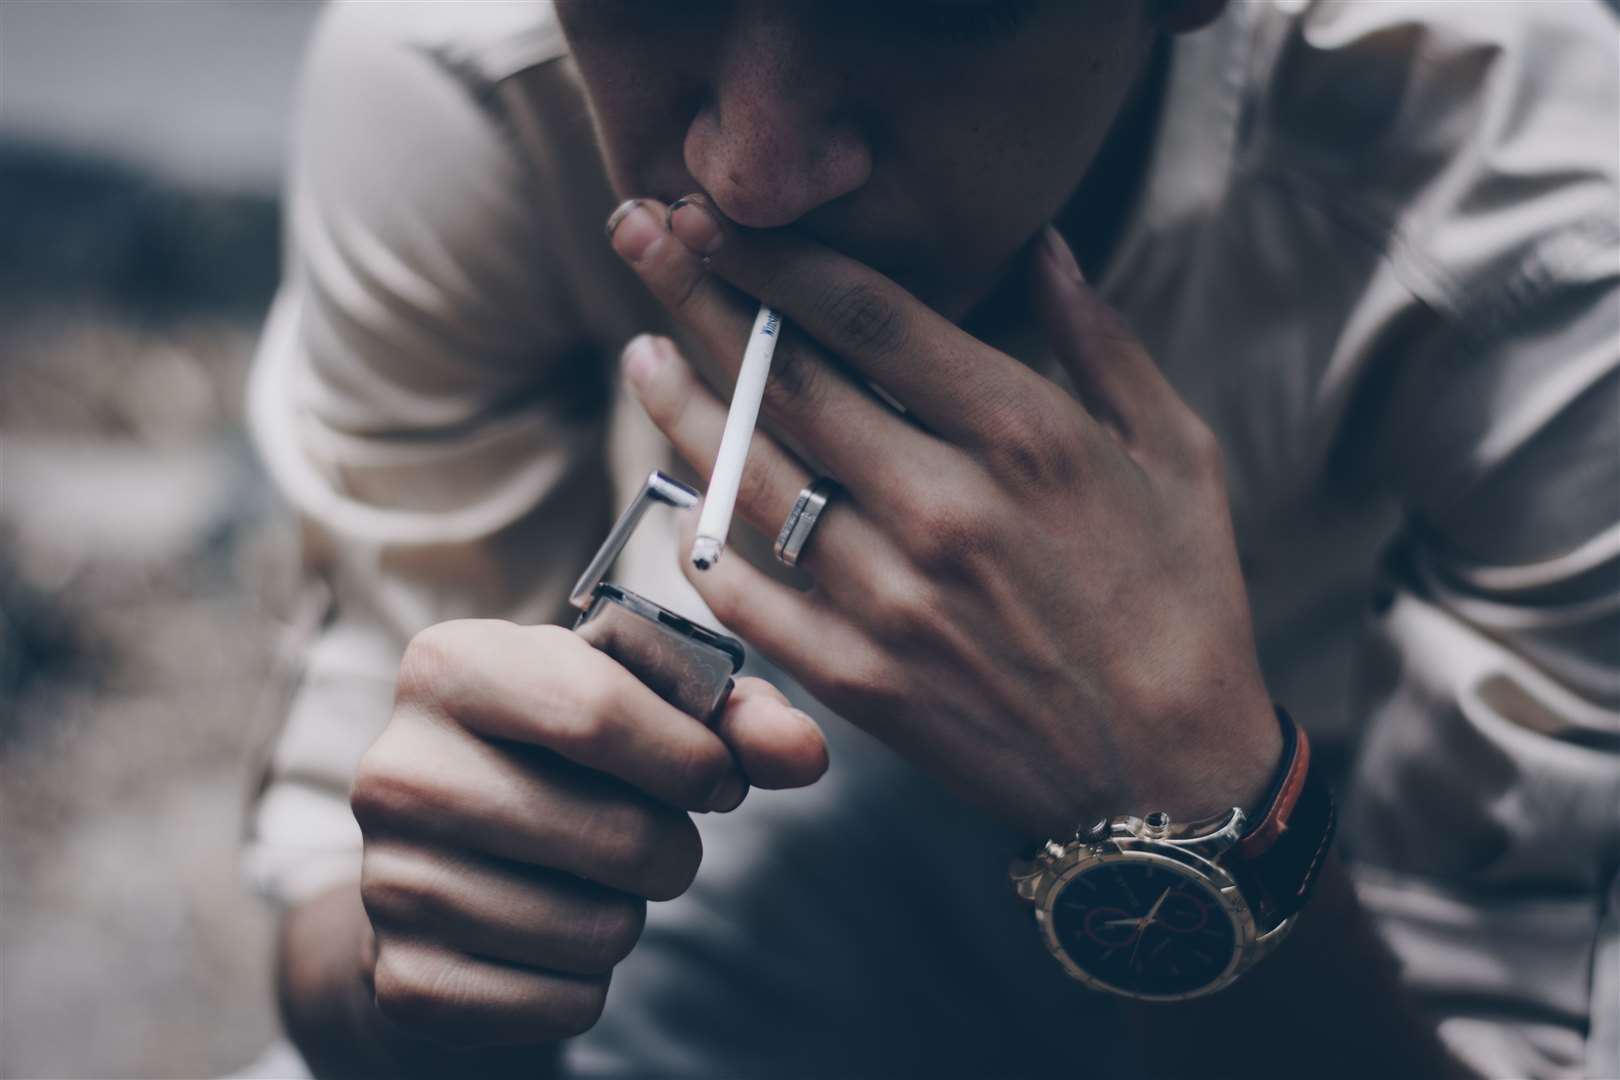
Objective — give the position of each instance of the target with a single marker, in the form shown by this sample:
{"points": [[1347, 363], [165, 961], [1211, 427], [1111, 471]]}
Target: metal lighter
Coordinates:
{"points": [[688, 665]]}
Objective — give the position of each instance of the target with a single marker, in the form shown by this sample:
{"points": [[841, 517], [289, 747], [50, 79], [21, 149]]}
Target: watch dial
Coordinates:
{"points": [[1144, 928]]}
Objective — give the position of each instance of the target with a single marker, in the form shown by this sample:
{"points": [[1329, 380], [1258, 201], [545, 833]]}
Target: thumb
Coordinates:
{"points": [[776, 745]]}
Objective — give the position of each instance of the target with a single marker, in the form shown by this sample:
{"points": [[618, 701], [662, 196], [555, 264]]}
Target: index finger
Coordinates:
{"points": [[953, 383], [543, 685]]}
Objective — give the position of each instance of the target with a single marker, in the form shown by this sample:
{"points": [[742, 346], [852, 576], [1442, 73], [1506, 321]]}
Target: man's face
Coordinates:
{"points": [[928, 138]]}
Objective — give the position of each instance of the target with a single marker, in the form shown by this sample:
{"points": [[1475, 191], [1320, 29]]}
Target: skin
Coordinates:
{"points": [[1130, 683], [1033, 594], [858, 131]]}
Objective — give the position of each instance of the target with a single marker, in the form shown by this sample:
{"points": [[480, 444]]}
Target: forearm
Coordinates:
{"points": [[329, 1011], [1328, 1003]]}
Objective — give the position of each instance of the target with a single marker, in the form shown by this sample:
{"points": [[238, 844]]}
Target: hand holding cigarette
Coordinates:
{"points": [[1031, 593]]}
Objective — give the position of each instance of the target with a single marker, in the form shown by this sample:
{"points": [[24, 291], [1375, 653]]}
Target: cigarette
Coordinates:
{"points": [[721, 499]]}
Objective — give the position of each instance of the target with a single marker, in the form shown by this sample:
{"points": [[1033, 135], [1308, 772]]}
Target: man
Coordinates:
{"points": [[1341, 437]]}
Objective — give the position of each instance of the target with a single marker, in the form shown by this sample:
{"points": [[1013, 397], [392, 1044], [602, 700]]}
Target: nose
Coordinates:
{"points": [[775, 139]]}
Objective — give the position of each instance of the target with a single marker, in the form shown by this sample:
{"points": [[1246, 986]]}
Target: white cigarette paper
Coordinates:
{"points": [[721, 499]]}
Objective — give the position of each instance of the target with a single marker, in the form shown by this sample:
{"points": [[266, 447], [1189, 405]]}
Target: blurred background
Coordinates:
{"points": [[143, 562]]}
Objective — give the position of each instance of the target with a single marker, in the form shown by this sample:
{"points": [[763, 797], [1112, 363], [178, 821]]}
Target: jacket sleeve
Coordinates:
{"points": [[1477, 151], [1485, 801]]}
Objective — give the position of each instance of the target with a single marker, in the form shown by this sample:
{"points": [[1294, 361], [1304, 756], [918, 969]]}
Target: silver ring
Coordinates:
{"points": [[801, 520]]}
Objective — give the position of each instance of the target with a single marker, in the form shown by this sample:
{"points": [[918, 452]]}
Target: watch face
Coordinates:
{"points": [[1143, 927]]}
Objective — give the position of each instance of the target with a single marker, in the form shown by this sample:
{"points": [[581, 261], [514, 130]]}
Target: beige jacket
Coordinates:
{"points": [[1378, 250]]}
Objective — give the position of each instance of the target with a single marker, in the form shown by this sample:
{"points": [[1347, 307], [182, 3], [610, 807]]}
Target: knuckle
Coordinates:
{"points": [[948, 540], [586, 707], [587, 731], [397, 788], [415, 987], [381, 794], [389, 896], [574, 676], [428, 667], [863, 319], [797, 379], [1027, 462], [866, 686], [1034, 451], [611, 931], [397, 889], [898, 610]]}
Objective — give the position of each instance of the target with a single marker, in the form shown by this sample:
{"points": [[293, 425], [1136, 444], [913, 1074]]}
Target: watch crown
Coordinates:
{"points": [[1098, 830], [1156, 826]]}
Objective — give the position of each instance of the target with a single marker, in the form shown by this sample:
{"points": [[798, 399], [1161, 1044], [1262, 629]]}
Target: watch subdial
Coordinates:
{"points": [[1184, 912], [1111, 927]]}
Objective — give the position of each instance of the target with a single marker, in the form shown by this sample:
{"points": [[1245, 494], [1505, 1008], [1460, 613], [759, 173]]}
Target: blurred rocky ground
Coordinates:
{"points": [[144, 565]]}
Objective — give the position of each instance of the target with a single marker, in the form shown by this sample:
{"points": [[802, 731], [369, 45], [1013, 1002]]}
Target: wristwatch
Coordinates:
{"points": [[1159, 910]]}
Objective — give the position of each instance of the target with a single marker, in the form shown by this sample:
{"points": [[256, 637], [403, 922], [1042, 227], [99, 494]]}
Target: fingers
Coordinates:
{"points": [[675, 275], [777, 745], [499, 910], [693, 419], [843, 426], [450, 997], [800, 630], [431, 784], [504, 875], [955, 385], [1111, 370], [543, 686]]}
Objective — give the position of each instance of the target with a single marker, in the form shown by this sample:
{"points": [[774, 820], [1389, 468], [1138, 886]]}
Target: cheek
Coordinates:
{"points": [[1008, 151], [641, 134], [642, 99]]}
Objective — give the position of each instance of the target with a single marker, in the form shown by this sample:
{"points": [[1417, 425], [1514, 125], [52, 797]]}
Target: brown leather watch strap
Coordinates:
{"points": [[1281, 853], [1284, 792]]}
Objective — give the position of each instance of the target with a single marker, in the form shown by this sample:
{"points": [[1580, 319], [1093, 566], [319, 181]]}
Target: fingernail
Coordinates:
{"points": [[727, 794], [1058, 248], [640, 359], [632, 228], [694, 222], [618, 215]]}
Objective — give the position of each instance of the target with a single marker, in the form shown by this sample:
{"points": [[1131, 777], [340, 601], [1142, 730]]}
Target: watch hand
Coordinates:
{"points": [[1146, 920], [1157, 904]]}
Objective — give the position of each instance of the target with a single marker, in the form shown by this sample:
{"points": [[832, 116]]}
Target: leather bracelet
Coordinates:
{"points": [[1282, 794], [1281, 854]]}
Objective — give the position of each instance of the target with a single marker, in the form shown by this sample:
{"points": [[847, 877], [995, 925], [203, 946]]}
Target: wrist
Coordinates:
{"points": [[1224, 754], [1199, 761], [1244, 763]]}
